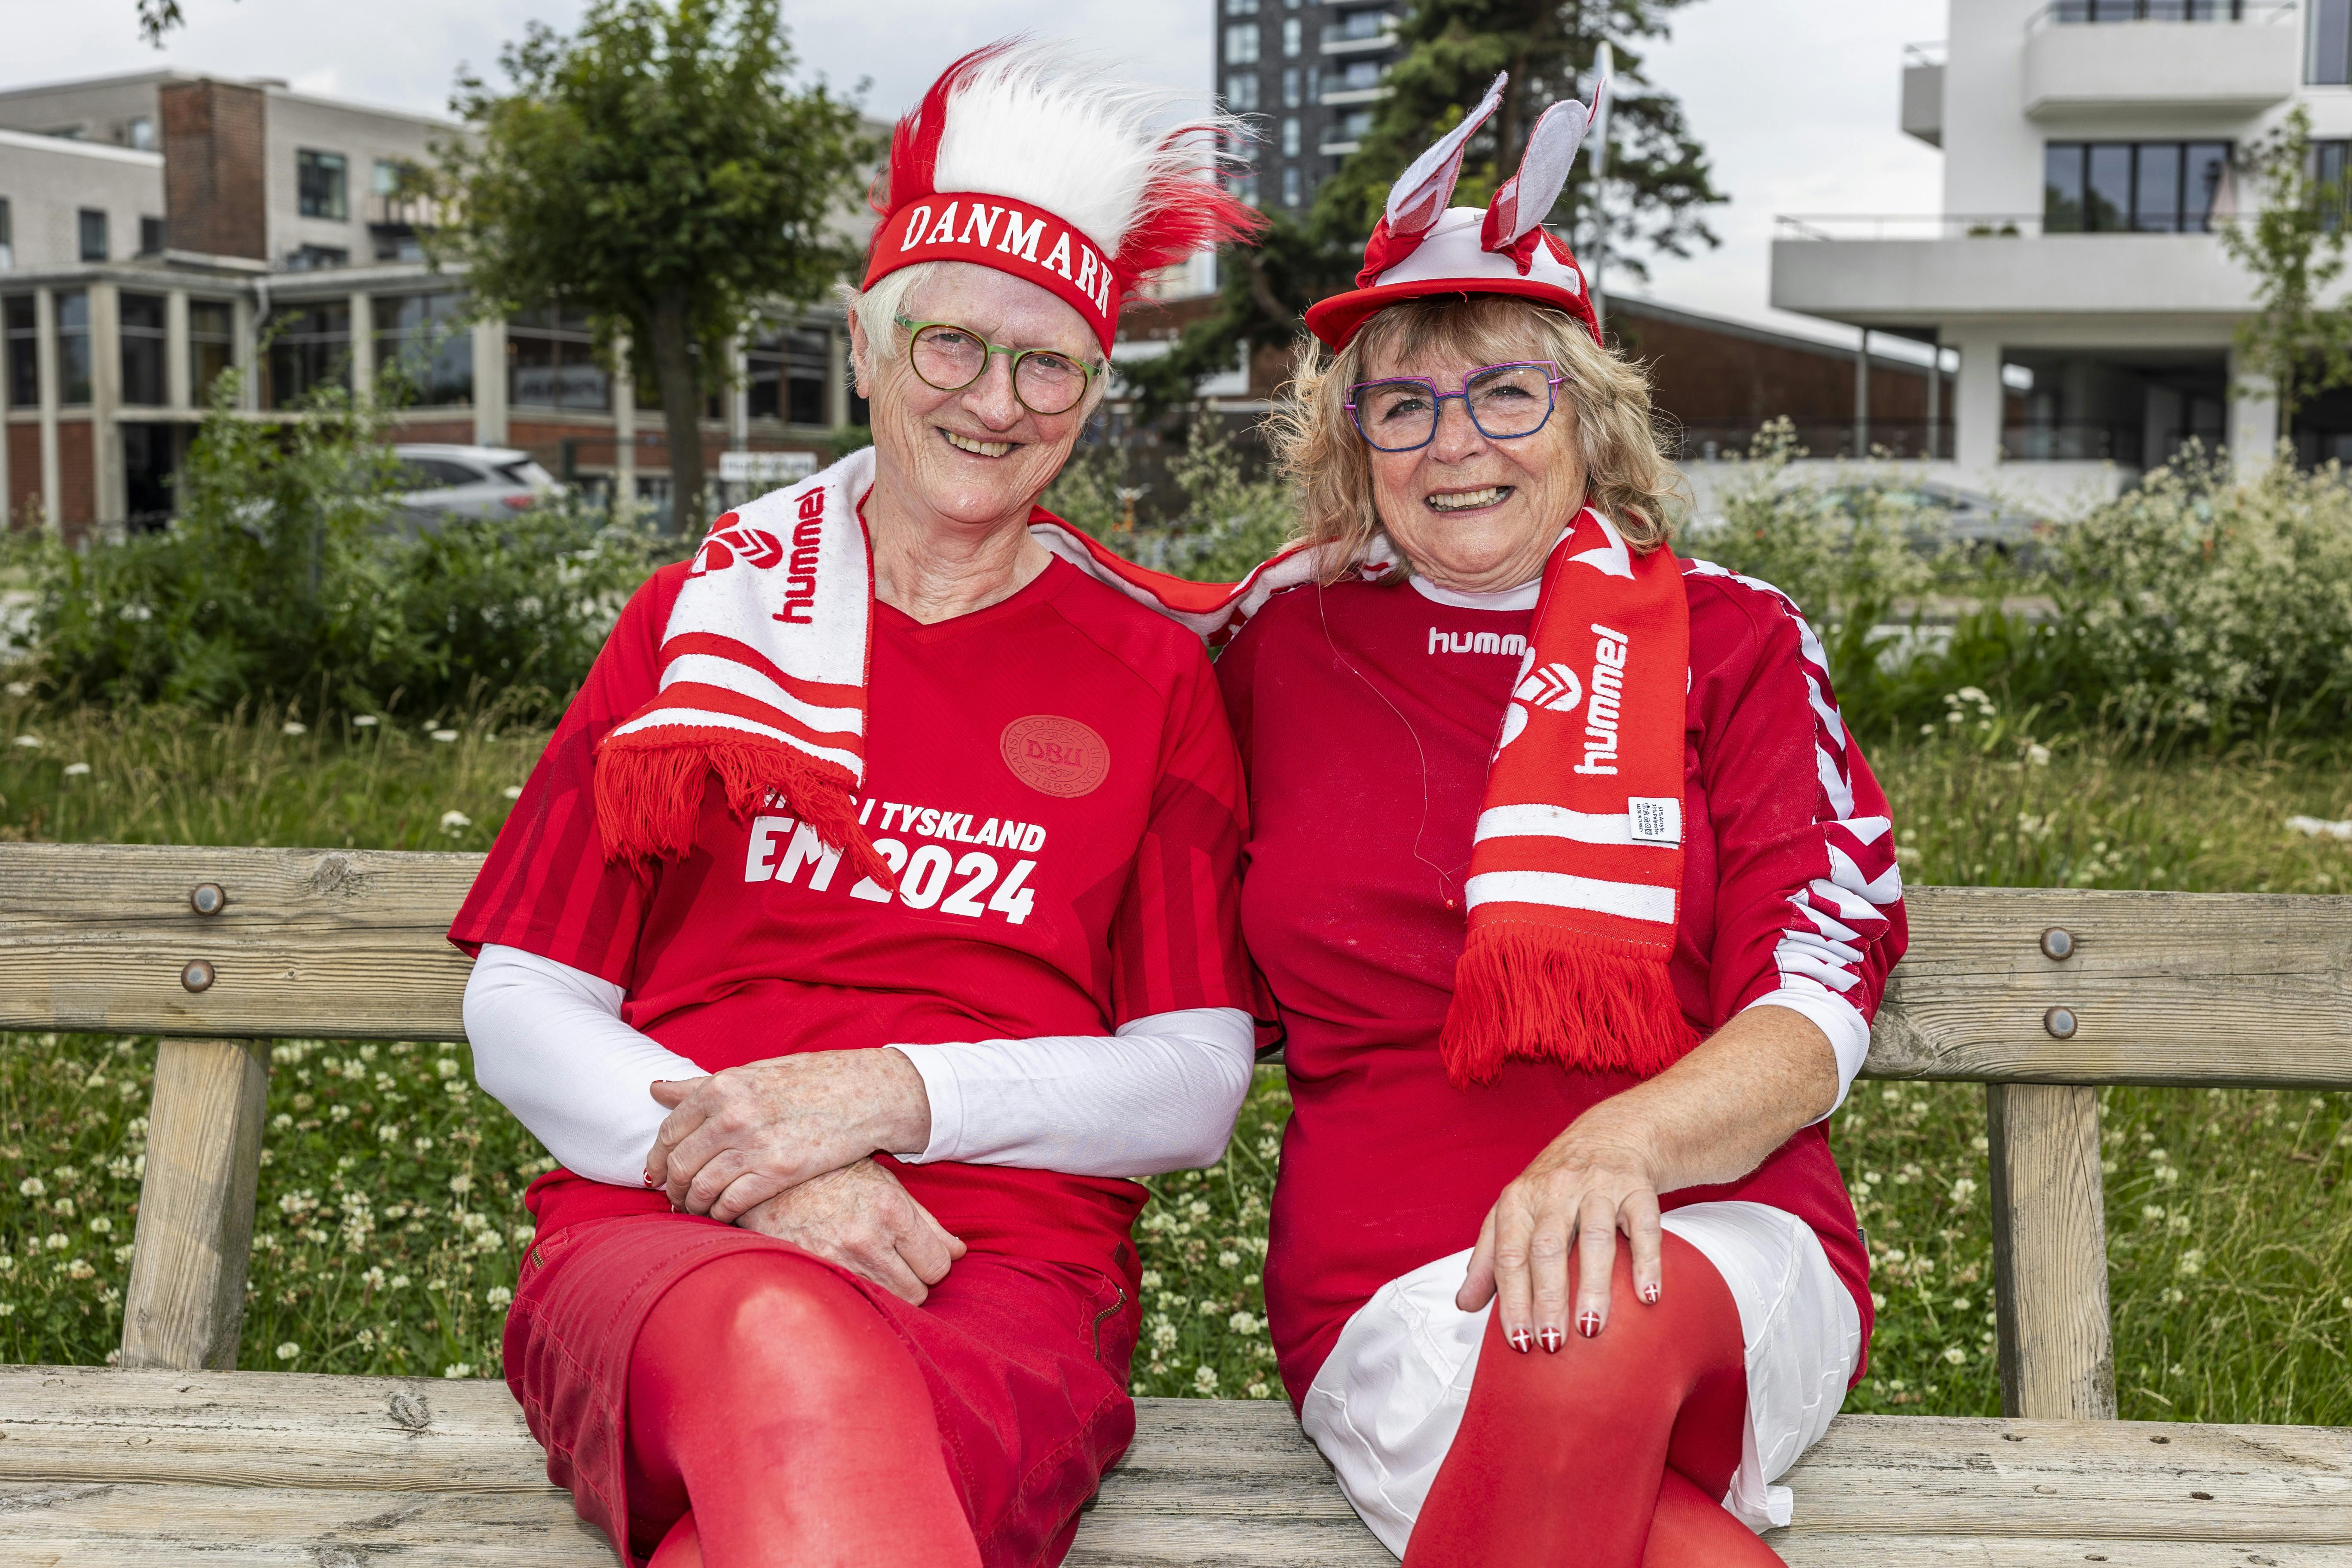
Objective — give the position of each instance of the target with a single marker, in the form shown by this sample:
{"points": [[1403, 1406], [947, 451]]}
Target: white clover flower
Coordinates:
{"points": [[1258, 1391], [364, 721], [461, 1183], [2038, 755], [455, 822], [20, 689], [459, 1369], [1955, 1354], [498, 1295], [30, 742], [289, 1351], [512, 792], [1228, 1259], [32, 1187], [76, 770], [2192, 1262], [397, 1282], [1242, 1323], [445, 1067], [101, 1225], [292, 727], [1164, 1336], [445, 737], [1151, 1279], [7, 1308], [1205, 1379]]}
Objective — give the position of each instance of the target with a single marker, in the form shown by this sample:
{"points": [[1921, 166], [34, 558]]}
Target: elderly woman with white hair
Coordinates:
{"points": [[1575, 896], [870, 920]]}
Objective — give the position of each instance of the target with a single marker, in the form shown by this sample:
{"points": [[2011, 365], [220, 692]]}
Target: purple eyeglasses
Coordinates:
{"points": [[1504, 400]]}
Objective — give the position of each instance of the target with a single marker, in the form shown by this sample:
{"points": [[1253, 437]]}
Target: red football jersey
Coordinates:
{"points": [[1367, 716], [1056, 782]]}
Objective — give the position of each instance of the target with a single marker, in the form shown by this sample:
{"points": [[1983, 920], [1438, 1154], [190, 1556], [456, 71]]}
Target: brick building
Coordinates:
{"points": [[157, 228]]}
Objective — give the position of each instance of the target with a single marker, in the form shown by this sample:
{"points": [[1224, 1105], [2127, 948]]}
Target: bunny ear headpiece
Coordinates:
{"points": [[1423, 247]]}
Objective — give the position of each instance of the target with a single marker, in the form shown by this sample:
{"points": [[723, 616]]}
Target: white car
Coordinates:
{"points": [[471, 482]]}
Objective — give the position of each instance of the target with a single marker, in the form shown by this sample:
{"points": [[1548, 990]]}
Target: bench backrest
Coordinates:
{"points": [[2039, 994]]}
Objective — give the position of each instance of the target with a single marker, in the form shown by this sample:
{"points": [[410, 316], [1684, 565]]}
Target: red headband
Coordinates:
{"points": [[1017, 238]]}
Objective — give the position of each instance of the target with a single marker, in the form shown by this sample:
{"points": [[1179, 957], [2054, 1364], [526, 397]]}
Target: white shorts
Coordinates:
{"points": [[1386, 1405]]}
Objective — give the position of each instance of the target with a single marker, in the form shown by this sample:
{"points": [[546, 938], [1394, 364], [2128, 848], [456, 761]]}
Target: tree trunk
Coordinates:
{"points": [[681, 394]]}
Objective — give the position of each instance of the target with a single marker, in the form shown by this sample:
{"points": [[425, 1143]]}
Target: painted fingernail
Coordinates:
{"points": [[1651, 1292], [1587, 1324], [1520, 1340], [1552, 1336]]}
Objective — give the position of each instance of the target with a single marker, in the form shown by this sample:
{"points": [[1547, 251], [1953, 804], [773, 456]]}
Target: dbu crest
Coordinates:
{"points": [[729, 542]]}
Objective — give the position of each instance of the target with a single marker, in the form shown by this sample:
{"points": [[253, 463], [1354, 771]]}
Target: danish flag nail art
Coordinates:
{"points": [[1588, 1324], [1651, 1292], [1519, 1340], [1553, 1338]]}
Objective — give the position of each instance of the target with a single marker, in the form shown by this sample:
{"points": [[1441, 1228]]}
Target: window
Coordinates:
{"points": [[1290, 137], [1359, 75], [142, 316], [317, 258], [73, 345], [1290, 99], [93, 234], [140, 133], [2152, 187], [1355, 125], [2327, 44], [321, 184], [1241, 7], [23, 342], [788, 369], [1290, 184], [389, 173], [1241, 45], [424, 340], [2150, 11], [2327, 171], [551, 362], [150, 236], [212, 346], [7, 237], [1241, 92], [310, 348], [1292, 32]]}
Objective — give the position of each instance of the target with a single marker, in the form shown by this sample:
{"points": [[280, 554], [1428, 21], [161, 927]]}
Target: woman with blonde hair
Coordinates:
{"points": [[1576, 898]]}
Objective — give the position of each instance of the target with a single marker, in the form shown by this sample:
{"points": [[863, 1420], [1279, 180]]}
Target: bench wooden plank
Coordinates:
{"points": [[2166, 988], [185, 1306], [1207, 1482], [2049, 1252]]}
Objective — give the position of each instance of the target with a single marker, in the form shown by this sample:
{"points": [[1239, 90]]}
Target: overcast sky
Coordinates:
{"points": [[1794, 99]]}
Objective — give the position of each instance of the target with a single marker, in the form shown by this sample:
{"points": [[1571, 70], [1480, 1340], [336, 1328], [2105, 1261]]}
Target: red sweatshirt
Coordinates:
{"points": [[1366, 717]]}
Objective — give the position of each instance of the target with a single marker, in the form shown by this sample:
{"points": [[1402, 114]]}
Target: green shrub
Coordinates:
{"points": [[292, 578], [1227, 524]]}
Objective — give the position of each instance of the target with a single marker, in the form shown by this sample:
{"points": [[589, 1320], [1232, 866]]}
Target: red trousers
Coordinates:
{"points": [[1024, 1363]]}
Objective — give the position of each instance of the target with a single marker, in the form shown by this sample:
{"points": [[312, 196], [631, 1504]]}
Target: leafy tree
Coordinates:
{"points": [[1658, 175], [659, 171], [2294, 246]]}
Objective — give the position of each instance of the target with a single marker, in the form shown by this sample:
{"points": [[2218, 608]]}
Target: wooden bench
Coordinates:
{"points": [[2038, 995]]}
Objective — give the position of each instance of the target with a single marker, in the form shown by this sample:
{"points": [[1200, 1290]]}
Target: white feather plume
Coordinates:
{"points": [[1040, 123]]}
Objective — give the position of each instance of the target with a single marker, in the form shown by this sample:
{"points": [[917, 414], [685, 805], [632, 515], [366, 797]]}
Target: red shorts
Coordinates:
{"points": [[1026, 1363]]}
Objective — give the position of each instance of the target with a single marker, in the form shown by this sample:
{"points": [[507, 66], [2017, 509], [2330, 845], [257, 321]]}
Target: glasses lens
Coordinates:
{"points": [[1048, 382], [949, 357], [1510, 399], [1396, 415]]}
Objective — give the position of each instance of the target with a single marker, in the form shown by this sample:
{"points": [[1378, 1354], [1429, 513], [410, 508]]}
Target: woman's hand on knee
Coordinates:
{"points": [[861, 1218], [1548, 1250], [738, 1137]]}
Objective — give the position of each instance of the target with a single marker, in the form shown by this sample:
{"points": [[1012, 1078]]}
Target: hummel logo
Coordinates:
{"points": [[1554, 688]]}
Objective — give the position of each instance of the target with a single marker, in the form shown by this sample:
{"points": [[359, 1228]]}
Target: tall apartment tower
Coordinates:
{"points": [[2092, 149], [1308, 75]]}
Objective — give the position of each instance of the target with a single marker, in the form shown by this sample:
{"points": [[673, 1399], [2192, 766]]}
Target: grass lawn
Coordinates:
{"points": [[389, 1213]]}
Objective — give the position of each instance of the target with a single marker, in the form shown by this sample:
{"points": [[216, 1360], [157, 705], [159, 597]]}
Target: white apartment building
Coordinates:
{"points": [[2081, 302]]}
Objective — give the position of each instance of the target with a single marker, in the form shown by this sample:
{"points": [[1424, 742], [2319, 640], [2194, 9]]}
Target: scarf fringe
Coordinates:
{"points": [[1538, 996], [649, 793]]}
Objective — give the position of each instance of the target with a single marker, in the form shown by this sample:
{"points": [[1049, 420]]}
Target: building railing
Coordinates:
{"points": [[1932, 53], [2073, 13], [1905, 440], [1906, 225], [1364, 30], [2073, 441]]}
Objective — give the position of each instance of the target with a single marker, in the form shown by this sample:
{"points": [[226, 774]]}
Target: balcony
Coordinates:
{"points": [[1923, 92], [1909, 271], [1366, 32], [2213, 57]]}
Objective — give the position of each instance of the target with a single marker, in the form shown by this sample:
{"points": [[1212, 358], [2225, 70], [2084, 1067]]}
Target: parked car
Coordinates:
{"points": [[471, 482]]}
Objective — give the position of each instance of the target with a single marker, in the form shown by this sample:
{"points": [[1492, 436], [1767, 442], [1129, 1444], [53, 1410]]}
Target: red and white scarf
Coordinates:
{"points": [[1577, 868]]}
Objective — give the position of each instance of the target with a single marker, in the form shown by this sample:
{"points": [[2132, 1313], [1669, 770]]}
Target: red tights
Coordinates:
{"points": [[1611, 1451], [768, 1397]]}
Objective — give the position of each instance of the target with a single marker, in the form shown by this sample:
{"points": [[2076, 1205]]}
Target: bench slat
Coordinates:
{"points": [[1207, 1482], [185, 1305], [2049, 1252], [2166, 988]]}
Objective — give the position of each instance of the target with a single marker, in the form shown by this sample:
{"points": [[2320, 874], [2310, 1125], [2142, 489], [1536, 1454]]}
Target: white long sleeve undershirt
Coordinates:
{"points": [[1160, 1095]]}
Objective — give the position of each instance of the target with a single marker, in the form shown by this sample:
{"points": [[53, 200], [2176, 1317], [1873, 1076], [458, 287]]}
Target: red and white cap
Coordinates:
{"points": [[1021, 160], [1424, 247]]}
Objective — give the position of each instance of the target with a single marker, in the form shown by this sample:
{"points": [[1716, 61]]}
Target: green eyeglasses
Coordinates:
{"points": [[951, 358]]}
